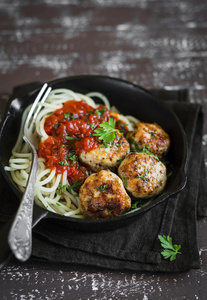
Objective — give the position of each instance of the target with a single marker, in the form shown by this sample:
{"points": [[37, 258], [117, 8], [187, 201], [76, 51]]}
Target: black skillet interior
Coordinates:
{"points": [[130, 100]]}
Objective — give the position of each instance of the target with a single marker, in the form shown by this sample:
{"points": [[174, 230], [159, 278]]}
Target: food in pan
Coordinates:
{"points": [[103, 195], [91, 159], [106, 157], [151, 136], [143, 174]]}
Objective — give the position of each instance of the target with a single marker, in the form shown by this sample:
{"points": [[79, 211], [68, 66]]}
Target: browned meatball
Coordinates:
{"points": [[103, 196], [106, 157], [150, 136], [143, 175]]}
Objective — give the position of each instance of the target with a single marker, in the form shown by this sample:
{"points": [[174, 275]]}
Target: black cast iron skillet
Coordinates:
{"points": [[130, 100]]}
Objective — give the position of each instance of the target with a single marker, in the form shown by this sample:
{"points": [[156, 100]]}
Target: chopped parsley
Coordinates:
{"points": [[133, 143], [69, 115], [74, 186], [102, 187], [92, 125], [88, 172], [63, 188], [100, 112], [121, 125], [146, 150], [63, 163], [72, 157], [125, 180], [69, 138], [136, 204], [89, 113], [57, 125], [141, 177]]}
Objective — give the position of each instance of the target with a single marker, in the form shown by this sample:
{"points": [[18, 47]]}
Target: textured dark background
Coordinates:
{"points": [[156, 44]]}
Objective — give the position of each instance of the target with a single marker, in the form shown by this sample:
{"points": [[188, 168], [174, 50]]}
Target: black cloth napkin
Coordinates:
{"points": [[136, 246]]}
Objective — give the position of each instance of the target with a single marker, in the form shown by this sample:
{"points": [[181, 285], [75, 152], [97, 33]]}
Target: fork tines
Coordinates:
{"points": [[41, 97]]}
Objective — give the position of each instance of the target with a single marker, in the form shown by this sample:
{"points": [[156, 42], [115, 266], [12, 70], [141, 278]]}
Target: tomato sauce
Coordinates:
{"points": [[70, 130]]}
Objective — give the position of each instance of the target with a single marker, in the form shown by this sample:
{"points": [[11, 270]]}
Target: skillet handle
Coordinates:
{"points": [[5, 252]]}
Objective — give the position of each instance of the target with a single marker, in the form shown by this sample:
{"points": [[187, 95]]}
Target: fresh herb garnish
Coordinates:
{"points": [[88, 172], [69, 138], [57, 125], [102, 187], [74, 186], [72, 156], [69, 115], [61, 188], [105, 145], [92, 125], [133, 143], [125, 180], [136, 204], [121, 125], [106, 131], [146, 150], [141, 177], [170, 250], [89, 113], [63, 163], [100, 112]]}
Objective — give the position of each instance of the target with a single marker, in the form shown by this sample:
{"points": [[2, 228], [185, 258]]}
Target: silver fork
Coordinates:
{"points": [[20, 235]]}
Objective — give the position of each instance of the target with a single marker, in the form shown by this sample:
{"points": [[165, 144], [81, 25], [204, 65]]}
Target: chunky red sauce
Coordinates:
{"points": [[70, 131]]}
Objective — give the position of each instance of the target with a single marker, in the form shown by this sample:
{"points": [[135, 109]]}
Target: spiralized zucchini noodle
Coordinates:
{"points": [[64, 201]]}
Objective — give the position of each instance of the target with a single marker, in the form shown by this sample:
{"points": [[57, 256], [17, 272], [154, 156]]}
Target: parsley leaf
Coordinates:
{"points": [[170, 250], [106, 131]]}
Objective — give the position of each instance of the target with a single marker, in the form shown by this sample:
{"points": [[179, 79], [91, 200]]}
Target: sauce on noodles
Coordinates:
{"points": [[70, 130]]}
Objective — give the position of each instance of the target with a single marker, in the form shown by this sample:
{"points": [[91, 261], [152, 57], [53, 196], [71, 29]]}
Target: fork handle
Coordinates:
{"points": [[20, 235]]}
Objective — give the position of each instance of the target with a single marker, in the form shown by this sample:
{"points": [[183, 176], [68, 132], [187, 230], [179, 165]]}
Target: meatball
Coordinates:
{"points": [[150, 136], [103, 195], [106, 156], [143, 175]]}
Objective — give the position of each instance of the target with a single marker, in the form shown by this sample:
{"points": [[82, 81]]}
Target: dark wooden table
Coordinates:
{"points": [[156, 44]]}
